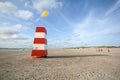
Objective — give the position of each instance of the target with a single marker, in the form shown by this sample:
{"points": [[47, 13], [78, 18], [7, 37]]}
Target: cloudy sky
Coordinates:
{"points": [[70, 23]]}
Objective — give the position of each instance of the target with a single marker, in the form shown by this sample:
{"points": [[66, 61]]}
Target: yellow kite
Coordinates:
{"points": [[44, 13]]}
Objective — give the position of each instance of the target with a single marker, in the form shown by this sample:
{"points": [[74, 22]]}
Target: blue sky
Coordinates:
{"points": [[70, 23]]}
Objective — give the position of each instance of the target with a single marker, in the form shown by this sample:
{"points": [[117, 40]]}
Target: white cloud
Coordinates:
{"points": [[81, 27], [24, 14], [27, 4], [113, 8], [13, 36], [7, 7], [111, 30], [66, 19], [40, 5], [18, 26], [8, 33], [93, 29], [11, 9], [12, 33]]}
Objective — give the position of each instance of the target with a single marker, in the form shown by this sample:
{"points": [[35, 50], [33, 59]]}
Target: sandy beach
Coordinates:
{"points": [[61, 64]]}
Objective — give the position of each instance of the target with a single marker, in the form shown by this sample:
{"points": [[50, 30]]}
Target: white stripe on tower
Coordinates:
{"points": [[40, 35], [40, 43], [39, 46]]}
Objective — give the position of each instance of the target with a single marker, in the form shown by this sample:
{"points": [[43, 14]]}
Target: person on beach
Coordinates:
{"points": [[108, 50]]}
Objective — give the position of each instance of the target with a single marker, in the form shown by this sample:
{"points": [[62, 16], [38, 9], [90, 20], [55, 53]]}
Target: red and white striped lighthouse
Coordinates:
{"points": [[40, 43]]}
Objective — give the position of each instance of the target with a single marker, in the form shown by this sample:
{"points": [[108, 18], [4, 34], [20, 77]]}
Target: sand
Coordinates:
{"points": [[61, 64]]}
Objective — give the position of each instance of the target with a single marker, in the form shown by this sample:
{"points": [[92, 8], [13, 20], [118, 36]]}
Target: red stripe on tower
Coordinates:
{"points": [[41, 29], [40, 43]]}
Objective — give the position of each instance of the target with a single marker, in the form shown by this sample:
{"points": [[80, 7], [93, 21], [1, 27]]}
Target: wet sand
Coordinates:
{"points": [[61, 64]]}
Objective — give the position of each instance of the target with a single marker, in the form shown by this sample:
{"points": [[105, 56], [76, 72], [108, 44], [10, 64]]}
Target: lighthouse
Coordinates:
{"points": [[40, 43]]}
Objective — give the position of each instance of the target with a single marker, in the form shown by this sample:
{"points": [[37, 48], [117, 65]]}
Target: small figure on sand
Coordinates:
{"points": [[100, 50], [108, 50]]}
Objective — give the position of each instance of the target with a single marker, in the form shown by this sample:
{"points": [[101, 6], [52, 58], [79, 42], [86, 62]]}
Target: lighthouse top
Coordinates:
{"points": [[41, 29]]}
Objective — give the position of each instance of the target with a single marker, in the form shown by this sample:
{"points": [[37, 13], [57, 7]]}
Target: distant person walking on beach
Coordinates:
{"points": [[108, 50], [100, 50]]}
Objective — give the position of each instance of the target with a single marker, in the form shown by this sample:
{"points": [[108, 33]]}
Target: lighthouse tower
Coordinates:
{"points": [[40, 43]]}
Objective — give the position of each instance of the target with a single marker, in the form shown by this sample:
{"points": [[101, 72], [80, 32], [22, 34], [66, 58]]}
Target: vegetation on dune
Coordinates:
{"points": [[93, 47]]}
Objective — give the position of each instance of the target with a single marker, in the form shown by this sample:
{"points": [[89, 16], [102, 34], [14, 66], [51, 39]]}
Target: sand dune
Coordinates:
{"points": [[61, 64]]}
